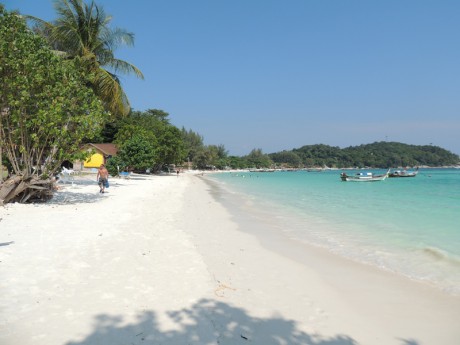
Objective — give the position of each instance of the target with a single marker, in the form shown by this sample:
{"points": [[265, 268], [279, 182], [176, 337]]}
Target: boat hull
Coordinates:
{"points": [[403, 173], [363, 178], [372, 179]]}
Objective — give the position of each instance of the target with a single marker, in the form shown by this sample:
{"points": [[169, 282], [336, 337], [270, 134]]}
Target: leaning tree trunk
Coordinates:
{"points": [[25, 189]]}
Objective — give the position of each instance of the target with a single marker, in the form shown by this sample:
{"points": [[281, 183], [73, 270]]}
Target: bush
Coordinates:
{"points": [[115, 165]]}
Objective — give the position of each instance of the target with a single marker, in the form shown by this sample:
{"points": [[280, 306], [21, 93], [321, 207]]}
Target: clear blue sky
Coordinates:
{"points": [[280, 74]]}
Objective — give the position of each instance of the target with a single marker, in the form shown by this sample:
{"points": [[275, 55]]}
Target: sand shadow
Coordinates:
{"points": [[68, 192], [68, 198], [206, 322], [78, 181], [140, 177], [409, 341]]}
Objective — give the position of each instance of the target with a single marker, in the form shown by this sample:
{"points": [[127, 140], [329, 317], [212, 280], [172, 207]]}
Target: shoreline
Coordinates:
{"points": [[161, 260], [318, 215], [402, 304]]}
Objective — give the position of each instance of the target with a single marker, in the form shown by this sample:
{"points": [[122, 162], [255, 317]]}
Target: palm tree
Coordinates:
{"points": [[82, 32]]}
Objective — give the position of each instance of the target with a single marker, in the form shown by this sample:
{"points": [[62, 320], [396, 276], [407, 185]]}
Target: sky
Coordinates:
{"points": [[280, 74]]}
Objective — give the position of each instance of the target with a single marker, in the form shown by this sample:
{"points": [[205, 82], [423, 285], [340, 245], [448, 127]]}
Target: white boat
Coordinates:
{"points": [[363, 177], [403, 173]]}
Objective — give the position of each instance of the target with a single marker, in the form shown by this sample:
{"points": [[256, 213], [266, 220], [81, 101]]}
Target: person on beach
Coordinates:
{"points": [[102, 177]]}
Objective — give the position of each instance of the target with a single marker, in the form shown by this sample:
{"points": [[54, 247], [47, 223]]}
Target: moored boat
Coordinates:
{"points": [[363, 177], [403, 173]]}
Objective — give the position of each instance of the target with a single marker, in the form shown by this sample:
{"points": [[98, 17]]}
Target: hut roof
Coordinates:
{"points": [[107, 149]]}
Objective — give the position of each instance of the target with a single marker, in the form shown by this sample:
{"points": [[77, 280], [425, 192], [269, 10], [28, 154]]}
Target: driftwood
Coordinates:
{"points": [[25, 189]]}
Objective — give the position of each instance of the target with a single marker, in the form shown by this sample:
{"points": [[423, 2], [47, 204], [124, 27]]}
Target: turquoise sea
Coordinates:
{"points": [[410, 226]]}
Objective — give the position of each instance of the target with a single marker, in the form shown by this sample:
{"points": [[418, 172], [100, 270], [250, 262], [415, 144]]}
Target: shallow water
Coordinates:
{"points": [[410, 226]]}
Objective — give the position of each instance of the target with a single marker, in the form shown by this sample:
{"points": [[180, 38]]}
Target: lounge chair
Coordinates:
{"points": [[125, 174]]}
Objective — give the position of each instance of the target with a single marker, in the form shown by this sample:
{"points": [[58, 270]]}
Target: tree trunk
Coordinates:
{"points": [[25, 189], [1, 165]]}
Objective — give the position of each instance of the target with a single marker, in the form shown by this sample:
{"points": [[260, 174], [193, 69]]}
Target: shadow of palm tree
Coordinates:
{"points": [[206, 322], [409, 342]]}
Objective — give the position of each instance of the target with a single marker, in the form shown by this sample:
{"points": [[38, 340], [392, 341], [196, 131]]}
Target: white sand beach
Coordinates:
{"points": [[158, 260]]}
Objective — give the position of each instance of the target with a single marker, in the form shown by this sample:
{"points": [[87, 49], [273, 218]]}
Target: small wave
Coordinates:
{"points": [[441, 255]]}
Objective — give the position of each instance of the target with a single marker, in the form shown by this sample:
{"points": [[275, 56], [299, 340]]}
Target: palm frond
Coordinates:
{"points": [[108, 86], [124, 67], [37, 21], [83, 31], [118, 37]]}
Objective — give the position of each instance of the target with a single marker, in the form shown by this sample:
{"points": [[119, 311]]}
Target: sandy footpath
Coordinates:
{"points": [[158, 260]]}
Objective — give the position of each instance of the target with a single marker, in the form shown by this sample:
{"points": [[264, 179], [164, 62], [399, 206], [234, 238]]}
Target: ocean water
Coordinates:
{"points": [[410, 226]]}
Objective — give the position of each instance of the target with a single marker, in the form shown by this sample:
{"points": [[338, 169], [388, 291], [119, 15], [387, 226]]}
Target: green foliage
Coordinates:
{"points": [[204, 159], [318, 155], [5, 162], [235, 162], [193, 143], [220, 150], [287, 158], [46, 110], [257, 159], [378, 154], [82, 32], [115, 165], [138, 153], [149, 123], [211, 157], [108, 132], [170, 147], [152, 126]]}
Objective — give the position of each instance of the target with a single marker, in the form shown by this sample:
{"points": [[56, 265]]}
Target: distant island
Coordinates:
{"points": [[378, 155]]}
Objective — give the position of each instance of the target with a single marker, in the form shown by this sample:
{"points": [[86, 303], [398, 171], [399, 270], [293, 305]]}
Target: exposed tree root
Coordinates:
{"points": [[25, 189]]}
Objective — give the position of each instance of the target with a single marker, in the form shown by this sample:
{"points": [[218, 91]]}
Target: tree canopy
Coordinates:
{"points": [[46, 109], [378, 154], [162, 141], [82, 32]]}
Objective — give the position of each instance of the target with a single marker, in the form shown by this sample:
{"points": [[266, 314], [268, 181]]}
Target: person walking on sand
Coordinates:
{"points": [[102, 177]]}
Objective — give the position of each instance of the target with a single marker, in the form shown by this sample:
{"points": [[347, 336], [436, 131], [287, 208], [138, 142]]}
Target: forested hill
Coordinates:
{"points": [[379, 154]]}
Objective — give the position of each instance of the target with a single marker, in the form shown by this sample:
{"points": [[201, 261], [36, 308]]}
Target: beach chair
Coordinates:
{"points": [[67, 174], [125, 175]]}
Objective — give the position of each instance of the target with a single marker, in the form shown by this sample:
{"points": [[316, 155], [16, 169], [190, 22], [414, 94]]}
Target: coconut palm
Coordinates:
{"points": [[82, 32]]}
